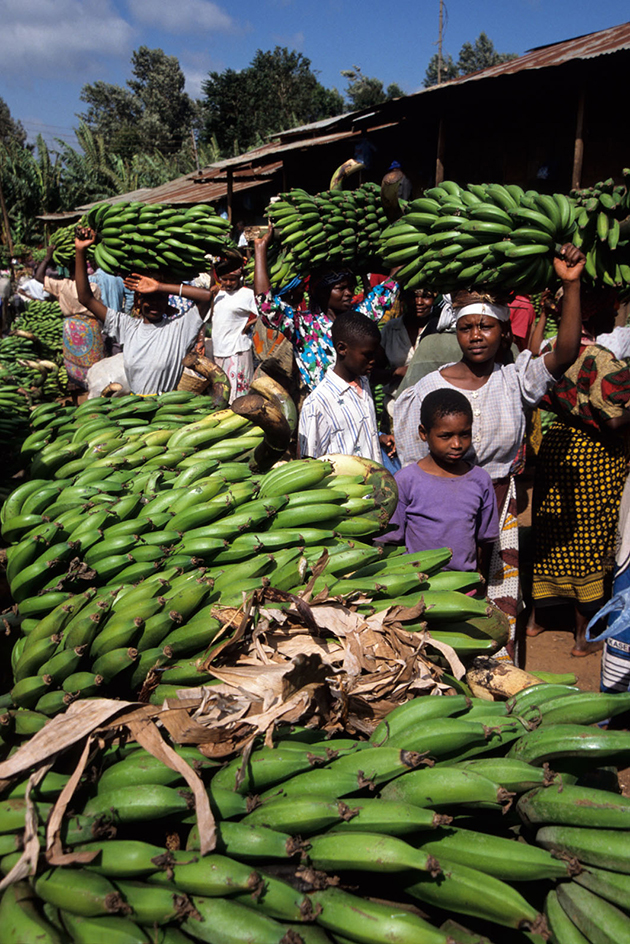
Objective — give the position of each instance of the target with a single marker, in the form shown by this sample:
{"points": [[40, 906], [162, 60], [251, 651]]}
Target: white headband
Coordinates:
{"points": [[500, 312]]}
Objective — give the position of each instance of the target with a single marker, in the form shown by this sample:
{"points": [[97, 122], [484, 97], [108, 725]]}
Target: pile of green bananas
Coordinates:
{"points": [[335, 227], [156, 237], [322, 840], [22, 363], [44, 320], [603, 231], [14, 428], [490, 234], [157, 492]]}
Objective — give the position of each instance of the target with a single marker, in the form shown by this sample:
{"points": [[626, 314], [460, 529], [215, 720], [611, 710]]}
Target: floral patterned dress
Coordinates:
{"points": [[309, 331]]}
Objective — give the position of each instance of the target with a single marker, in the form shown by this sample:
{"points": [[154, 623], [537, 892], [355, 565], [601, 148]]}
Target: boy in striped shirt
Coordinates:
{"points": [[338, 416]]}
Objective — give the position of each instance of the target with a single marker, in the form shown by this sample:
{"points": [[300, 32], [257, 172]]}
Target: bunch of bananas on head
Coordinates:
{"points": [[603, 231], [481, 234], [156, 237], [331, 228]]}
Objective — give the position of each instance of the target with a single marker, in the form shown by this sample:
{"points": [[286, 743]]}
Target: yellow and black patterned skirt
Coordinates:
{"points": [[577, 491]]}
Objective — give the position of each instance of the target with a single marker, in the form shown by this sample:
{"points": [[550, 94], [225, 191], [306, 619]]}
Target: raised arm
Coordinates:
{"points": [[83, 240], [40, 271], [568, 268], [262, 284], [145, 285]]}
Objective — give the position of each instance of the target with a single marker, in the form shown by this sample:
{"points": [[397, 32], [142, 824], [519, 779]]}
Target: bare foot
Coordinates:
{"points": [[584, 648], [533, 626]]}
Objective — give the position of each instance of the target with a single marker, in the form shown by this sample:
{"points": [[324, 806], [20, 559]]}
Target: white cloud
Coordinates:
{"points": [[182, 16], [294, 41], [196, 66], [61, 38]]}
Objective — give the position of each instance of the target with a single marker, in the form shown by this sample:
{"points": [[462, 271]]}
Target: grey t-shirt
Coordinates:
{"points": [[153, 353]]}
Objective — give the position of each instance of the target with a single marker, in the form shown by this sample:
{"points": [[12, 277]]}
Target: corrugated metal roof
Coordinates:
{"points": [[188, 190], [313, 126], [59, 217], [209, 184], [589, 46]]}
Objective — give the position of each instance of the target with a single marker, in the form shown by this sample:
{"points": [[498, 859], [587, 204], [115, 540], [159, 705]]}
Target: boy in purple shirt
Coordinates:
{"points": [[444, 501]]}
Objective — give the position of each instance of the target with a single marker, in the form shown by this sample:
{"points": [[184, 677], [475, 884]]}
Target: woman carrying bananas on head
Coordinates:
{"points": [[153, 345], [331, 294], [501, 396]]}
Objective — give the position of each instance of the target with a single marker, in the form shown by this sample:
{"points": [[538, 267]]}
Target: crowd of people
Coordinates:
{"points": [[459, 378]]}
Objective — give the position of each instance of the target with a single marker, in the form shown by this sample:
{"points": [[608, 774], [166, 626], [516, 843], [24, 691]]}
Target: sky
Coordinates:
{"points": [[51, 48]]}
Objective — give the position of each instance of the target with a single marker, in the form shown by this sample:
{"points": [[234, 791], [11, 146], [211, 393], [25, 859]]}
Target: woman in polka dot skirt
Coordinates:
{"points": [[580, 474]]}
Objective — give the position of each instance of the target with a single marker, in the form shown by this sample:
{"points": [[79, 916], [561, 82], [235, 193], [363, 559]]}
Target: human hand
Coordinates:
{"points": [[84, 237], [569, 264], [389, 443], [141, 283], [400, 371], [264, 241]]}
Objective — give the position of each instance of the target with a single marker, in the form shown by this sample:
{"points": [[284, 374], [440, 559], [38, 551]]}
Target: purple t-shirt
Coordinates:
{"points": [[434, 511]]}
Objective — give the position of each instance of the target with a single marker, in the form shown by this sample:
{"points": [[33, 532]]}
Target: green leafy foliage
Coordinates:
{"points": [[278, 90], [364, 91], [472, 58]]}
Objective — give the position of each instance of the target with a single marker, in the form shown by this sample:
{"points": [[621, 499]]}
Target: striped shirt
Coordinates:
{"points": [[336, 418], [499, 414]]}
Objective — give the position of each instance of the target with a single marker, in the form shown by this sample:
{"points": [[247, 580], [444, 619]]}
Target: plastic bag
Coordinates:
{"points": [[109, 370]]}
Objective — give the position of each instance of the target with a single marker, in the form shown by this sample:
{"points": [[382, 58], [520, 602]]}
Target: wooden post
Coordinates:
{"points": [[439, 62], [230, 192], [439, 164], [7, 229], [578, 150]]}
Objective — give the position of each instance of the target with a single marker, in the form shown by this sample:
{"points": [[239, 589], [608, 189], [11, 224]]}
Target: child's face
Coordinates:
{"points": [[449, 438], [359, 356]]}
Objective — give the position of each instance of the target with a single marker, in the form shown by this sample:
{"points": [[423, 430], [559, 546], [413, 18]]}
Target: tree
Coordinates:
{"points": [[153, 113], [472, 58], [481, 55], [277, 91], [364, 91], [447, 72], [10, 130]]}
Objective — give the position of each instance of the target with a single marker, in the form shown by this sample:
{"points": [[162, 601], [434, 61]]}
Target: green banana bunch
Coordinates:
{"points": [[603, 231], [44, 320], [129, 491], [14, 416], [480, 234], [155, 237], [333, 227], [63, 241], [380, 812]]}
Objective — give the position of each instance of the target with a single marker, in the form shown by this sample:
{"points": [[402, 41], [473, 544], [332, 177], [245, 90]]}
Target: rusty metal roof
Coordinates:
{"points": [[196, 189], [209, 184], [603, 43]]}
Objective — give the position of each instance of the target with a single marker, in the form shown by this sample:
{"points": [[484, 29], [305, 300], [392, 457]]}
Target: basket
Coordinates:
{"points": [[189, 380]]}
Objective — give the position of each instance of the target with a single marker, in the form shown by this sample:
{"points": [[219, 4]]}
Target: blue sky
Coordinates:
{"points": [[50, 48]]}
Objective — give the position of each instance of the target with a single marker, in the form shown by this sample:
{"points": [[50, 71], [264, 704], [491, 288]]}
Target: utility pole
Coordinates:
{"points": [[194, 147], [439, 62]]}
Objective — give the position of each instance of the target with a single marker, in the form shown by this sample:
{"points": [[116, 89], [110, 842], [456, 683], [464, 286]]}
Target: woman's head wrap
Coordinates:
{"points": [[480, 303], [231, 261], [326, 280], [289, 286], [500, 312]]}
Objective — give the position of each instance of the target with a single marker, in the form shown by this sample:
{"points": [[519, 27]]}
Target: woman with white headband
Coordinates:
{"points": [[500, 396]]}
